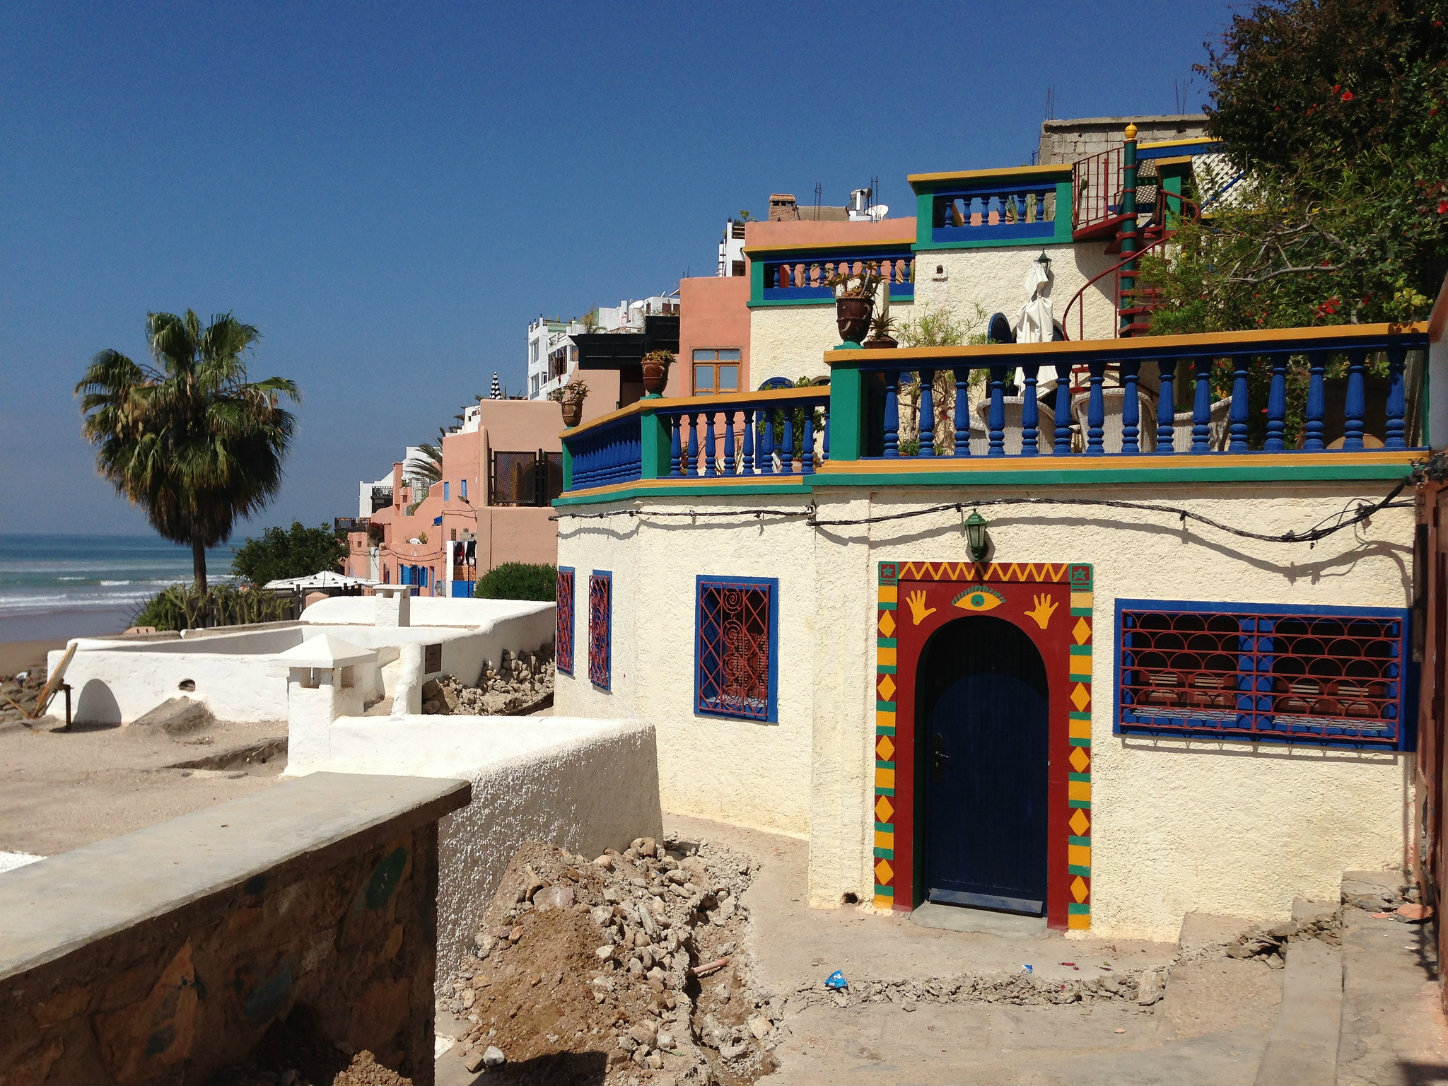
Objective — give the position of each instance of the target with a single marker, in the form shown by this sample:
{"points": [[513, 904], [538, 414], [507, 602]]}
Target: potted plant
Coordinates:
{"points": [[854, 298], [882, 332], [656, 371], [570, 398]]}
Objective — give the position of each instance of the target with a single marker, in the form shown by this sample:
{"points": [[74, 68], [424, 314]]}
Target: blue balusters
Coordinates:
{"points": [[1030, 413], [927, 413], [750, 415], [1130, 408], [1062, 443], [766, 441], [1166, 407], [1237, 431], [962, 411], [825, 442], [1354, 405], [674, 454], [892, 413], [1276, 405], [996, 423], [730, 467], [806, 451], [786, 451], [710, 465], [1095, 410], [693, 443], [1202, 406], [1393, 431], [1312, 428]]}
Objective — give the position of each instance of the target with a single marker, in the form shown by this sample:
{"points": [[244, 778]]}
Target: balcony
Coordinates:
{"points": [[1340, 402], [1028, 205], [799, 275]]}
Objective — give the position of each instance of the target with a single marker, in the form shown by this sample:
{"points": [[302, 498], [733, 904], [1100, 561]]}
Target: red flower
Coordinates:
{"points": [[1347, 96], [1336, 87], [1443, 207]]}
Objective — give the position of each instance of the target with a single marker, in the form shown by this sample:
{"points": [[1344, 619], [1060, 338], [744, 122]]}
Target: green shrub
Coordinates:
{"points": [[519, 581], [181, 607]]}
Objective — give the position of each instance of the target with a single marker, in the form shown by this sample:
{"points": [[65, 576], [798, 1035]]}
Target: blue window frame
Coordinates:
{"points": [[600, 629], [736, 667], [1327, 676], [462, 488]]}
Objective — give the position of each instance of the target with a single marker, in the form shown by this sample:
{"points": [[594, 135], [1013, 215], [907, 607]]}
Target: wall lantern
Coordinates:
{"points": [[975, 536]]}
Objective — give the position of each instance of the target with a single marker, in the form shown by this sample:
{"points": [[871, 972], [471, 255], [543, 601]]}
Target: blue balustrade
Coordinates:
{"points": [[607, 453], [804, 277], [756, 436], [1022, 211], [1273, 395]]}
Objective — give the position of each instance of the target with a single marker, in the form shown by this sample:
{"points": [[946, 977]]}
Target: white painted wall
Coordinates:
{"points": [[1216, 826], [236, 675], [584, 785], [789, 340]]}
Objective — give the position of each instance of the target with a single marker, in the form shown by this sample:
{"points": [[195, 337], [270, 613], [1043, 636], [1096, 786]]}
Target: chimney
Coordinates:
{"points": [[783, 207]]}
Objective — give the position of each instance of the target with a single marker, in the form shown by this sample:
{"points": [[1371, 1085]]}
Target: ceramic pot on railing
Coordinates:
{"points": [[656, 371], [852, 317], [572, 412]]}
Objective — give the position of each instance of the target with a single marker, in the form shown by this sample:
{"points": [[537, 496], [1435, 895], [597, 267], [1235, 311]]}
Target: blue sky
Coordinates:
{"points": [[391, 192]]}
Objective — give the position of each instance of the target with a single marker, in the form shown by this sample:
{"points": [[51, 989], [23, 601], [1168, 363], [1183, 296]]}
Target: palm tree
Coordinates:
{"points": [[427, 464], [189, 438]]}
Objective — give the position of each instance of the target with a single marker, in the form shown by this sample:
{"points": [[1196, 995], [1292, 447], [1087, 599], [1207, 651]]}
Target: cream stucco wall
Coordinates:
{"points": [[790, 340], [1178, 825], [994, 278]]}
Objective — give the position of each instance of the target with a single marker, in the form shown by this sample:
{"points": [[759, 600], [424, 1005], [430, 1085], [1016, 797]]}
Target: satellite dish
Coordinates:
{"points": [[879, 211]]}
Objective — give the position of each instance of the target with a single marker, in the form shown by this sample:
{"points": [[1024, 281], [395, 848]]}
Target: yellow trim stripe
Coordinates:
{"points": [[826, 246], [1081, 462], [1049, 170]]}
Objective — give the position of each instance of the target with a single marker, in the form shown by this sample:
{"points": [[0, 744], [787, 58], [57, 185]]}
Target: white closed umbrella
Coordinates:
{"points": [[1036, 321]]}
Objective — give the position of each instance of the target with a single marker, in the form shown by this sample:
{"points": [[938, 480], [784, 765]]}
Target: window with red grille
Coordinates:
{"points": [[1303, 675], [600, 633], [735, 669], [563, 642]]}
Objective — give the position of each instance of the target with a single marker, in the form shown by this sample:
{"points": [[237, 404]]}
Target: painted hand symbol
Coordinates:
{"points": [[918, 610], [1043, 610]]}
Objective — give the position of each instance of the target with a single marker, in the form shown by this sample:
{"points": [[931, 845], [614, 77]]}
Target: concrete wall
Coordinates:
{"points": [[584, 785], [1197, 825], [237, 675], [1074, 139], [164, 955], [959, 279]]}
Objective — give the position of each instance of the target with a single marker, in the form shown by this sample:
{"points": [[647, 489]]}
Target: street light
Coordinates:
{"points": [[975, 536]]}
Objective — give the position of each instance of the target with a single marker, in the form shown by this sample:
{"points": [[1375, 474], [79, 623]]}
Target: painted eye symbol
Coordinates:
{"points": [[978, 598]]}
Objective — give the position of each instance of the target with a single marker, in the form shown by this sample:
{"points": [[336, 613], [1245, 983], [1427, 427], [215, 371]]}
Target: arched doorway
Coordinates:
{"points": [[982, 758]]}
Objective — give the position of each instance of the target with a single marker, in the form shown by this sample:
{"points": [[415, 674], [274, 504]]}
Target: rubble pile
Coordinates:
{"points": [[520, 684], [626, 969], [1020, 989]]}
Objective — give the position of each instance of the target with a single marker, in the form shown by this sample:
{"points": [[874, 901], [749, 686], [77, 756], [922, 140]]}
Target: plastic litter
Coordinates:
{"points": [[1027, 969], [836, 980]]}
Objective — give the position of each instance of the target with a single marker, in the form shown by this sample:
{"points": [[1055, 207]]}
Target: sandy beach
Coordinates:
{"points": [[18, 656]]}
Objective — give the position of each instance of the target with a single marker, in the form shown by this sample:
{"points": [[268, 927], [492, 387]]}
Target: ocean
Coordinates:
{"points": [[56, 586]]}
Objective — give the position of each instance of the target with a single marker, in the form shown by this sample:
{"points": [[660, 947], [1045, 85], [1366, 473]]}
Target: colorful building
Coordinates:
{"points": [[1081, 630]]}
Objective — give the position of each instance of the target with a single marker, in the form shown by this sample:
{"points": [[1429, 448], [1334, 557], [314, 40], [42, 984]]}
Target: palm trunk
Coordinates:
{"points": [[198, 563]]}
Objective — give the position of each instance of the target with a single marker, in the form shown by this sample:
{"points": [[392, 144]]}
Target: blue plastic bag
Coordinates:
{"points": [[836, 980]]}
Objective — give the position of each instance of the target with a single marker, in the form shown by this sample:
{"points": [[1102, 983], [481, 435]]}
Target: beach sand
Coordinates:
{"points": [[25, 655]]}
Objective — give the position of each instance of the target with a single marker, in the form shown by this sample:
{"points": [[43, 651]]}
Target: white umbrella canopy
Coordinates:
{"points": [[324, 579]]}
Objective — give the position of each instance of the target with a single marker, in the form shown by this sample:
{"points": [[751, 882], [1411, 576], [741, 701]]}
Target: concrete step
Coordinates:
{"points": [[1304, 1043]]}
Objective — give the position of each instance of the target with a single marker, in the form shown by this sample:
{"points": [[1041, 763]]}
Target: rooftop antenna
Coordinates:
{"points": [[874, 197], [1051, 103], [819, 190]]}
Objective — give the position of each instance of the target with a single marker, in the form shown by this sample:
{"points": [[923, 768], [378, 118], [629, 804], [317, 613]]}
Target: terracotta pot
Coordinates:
{"points": [[656, 376], [572, 412], [875, 343], [852, 317]]}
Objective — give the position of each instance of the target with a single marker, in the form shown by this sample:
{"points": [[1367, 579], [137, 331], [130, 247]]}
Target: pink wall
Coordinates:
{"points": [[828, 233], [713, 314]]}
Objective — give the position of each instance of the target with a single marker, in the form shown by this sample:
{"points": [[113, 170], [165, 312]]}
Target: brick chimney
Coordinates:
{"points": [[783, 207]]}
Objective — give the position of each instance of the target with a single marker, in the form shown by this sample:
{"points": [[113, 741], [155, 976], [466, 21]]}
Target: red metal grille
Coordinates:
{"points": [[1303, 677], [733, 657], [600, 596], [563, 642]]}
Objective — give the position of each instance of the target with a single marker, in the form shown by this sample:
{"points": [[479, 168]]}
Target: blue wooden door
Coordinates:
{"points": [[982, 730]]}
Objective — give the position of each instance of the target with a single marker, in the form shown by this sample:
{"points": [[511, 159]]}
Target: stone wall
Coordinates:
{"points": [[1072, 140], [166, 955]]}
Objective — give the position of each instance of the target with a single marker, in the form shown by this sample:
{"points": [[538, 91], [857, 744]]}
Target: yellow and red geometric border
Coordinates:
{"points": [[1074, 851]]}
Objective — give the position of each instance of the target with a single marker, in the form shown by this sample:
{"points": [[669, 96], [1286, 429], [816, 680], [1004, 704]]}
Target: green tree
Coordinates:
{"points": [[189, 438], [1335, 110], [297, 551]]}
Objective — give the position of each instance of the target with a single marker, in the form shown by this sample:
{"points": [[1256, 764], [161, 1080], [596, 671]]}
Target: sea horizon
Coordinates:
{"points": [[55, 586]]}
